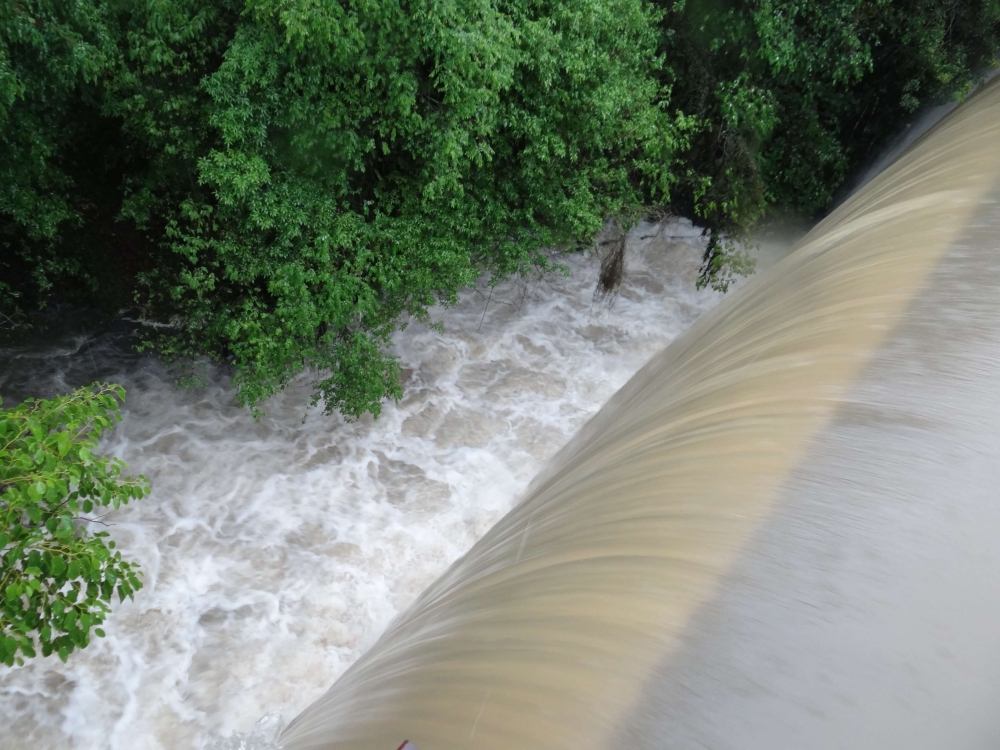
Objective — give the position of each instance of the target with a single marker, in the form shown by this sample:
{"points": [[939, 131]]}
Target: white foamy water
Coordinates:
{"points": [[276, 552]]}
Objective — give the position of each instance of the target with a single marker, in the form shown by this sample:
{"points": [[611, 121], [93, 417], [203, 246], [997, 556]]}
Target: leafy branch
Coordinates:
{"points": [[57, 578]]}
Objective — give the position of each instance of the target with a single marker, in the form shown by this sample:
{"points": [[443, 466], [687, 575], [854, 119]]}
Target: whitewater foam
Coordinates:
{"points": [[276, 552]]}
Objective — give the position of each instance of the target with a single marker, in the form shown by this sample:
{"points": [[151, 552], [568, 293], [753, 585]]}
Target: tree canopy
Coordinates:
{"points": [[286, 182]]}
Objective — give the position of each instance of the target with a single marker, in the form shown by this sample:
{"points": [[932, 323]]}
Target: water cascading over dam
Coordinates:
{"points": [[783, 532]]}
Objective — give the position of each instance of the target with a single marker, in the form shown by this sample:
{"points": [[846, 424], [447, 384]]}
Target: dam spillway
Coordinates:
{"points": [[780, 533]]}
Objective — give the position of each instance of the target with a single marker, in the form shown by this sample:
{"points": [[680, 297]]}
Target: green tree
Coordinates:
{"points": [[57, 577], [365, 161], [52, 57], [795, 95]]}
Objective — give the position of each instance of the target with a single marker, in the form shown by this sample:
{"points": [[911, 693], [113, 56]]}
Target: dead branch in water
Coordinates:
{"points": [[609, 280], [613, 266]]}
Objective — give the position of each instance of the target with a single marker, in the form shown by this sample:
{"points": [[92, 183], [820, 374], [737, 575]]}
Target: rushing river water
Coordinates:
{"points": [[276, 552]]}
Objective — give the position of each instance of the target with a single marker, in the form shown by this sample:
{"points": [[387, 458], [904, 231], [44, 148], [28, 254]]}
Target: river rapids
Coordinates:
{"points": [[276, 552]]}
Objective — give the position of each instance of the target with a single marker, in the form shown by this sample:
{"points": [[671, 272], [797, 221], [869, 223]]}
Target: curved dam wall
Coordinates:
{"points": [[783, 532]]}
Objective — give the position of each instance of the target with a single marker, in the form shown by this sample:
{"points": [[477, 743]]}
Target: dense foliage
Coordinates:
{"points": [[57, 576], [794, 95], [287, 181]]}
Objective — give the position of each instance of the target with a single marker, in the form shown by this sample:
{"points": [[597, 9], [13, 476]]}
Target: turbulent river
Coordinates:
{"points": [[276, 552]]}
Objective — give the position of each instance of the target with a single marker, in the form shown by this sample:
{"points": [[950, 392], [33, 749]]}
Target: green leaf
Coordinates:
{"points": [[57, 566]]}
